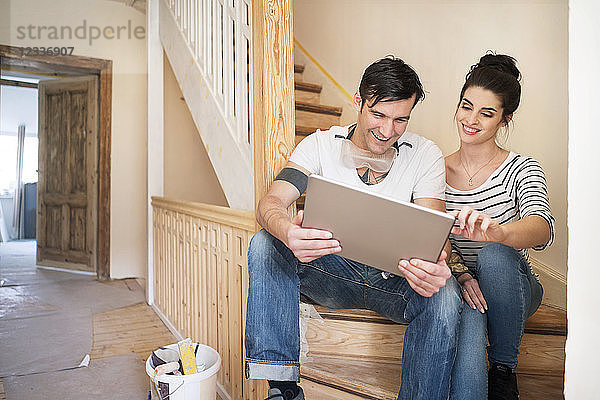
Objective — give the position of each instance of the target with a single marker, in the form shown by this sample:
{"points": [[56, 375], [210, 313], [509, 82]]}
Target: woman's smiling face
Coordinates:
{"points": [[479, 116]]}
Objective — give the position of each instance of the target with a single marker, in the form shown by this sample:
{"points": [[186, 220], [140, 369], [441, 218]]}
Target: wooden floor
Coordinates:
{"points": [[134, 329]]}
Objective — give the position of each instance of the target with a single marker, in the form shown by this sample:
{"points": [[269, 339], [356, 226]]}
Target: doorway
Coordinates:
{"points": [[73, 191]]}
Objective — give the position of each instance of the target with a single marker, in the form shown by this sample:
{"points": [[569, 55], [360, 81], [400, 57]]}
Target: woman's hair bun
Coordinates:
{"points": [[500, 62]]}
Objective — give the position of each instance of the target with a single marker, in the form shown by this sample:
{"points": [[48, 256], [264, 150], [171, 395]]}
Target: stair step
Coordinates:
{"points": [[366, 379], [302, 132], [329, 379], [364, 335], [320, 116], [547, 320], [305, 130], [298, 70], [307, 92], [319, 108], [308, 87]]}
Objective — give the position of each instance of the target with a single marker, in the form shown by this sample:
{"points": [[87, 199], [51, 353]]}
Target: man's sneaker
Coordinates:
{"points": [[275, 394], [502, 383]]}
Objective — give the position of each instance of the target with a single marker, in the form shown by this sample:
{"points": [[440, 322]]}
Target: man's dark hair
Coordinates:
{"points": [[390, 79]]}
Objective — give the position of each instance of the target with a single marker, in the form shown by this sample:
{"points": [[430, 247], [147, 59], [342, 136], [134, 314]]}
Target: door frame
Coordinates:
{"points": [[12, 56]]}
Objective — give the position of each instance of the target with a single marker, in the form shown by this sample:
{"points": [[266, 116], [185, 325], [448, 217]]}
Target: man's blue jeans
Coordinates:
{"points": [[276, 279], [512, 294]]}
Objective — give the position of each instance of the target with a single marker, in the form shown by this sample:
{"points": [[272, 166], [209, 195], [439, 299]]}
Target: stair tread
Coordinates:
{"points": [[382, 383], [318, 108], [309, 87], [547, 320], [383, 380], [299, 68], [305, 130]]}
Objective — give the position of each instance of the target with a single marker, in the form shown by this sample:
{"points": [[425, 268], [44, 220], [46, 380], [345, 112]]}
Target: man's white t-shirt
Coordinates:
{"points": [[417, 172]]}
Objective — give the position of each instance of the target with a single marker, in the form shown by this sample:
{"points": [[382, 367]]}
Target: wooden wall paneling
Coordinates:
{"points": [[195, 279], [166, 283], [238, 265], [176, 303], [214, 265], [224, 274], [158, 250], [166, 308], [179, 284], [171, 269], [183, 268], [163, 282], [205, 283], [188, 274]]}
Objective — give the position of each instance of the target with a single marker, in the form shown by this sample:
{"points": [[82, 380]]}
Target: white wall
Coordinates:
{"points": [[128, 156], [188, 172], [582, 349], [441, 40]]}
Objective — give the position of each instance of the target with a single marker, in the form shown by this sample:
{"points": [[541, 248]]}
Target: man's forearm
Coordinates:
{"points": [[273, 216]]}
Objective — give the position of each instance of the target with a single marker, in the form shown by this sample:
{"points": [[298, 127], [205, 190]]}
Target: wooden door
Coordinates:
{"points": [[67, 181]]}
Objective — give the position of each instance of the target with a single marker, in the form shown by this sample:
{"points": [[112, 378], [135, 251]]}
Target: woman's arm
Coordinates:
{"points": [[530, 231], [533, 230]]}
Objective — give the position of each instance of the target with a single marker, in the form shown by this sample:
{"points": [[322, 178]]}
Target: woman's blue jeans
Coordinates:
{"points": [[276, 279], [512, 294]]}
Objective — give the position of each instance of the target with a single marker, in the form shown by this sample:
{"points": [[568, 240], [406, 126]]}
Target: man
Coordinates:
{"points": [[285, 259]]}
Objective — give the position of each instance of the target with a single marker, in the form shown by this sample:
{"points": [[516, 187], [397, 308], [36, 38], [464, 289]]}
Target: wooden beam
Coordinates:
{"points": [[273, 72], [274, 114], [14, 56], [8, 82], [104, 173]]}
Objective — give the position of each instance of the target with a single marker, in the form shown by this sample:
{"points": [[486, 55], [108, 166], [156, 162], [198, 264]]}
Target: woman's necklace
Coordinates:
{"points": [[471, 176]]}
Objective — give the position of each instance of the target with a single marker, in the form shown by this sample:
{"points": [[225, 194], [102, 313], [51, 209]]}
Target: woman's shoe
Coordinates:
{"points": [[502, 383]]}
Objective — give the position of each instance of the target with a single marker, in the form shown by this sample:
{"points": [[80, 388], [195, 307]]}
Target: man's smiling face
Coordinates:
{"points": [[379, 126]]}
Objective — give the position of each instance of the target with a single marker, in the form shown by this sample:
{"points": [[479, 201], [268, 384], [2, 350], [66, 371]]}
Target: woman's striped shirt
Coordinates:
{"points": [[516, 189]]}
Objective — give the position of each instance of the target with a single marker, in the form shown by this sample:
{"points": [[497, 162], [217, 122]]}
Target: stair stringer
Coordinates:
{"points": [[232, 161]]}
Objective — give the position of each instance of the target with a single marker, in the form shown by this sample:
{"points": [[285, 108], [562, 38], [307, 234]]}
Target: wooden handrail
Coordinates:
{"points": [[224, 215]]}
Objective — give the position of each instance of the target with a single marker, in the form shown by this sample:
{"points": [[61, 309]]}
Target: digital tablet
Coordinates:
{"points": [[373, 229]]}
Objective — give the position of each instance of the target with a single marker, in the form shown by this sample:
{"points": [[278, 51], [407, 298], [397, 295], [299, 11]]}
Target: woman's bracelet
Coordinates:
{"points": [[456, 263]]}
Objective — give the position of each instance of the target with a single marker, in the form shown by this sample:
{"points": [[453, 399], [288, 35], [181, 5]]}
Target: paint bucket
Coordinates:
{"points": [[200, 386]]}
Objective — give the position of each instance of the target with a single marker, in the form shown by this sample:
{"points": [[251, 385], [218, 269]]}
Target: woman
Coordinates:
{"points": [[501, 204]]}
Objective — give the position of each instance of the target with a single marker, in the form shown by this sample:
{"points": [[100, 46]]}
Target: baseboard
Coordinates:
{"points": [[166, 321], [222, 393], [554, 283]]}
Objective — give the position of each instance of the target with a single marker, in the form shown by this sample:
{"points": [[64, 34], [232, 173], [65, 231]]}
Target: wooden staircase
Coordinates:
{"points": [[357, 354]]}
